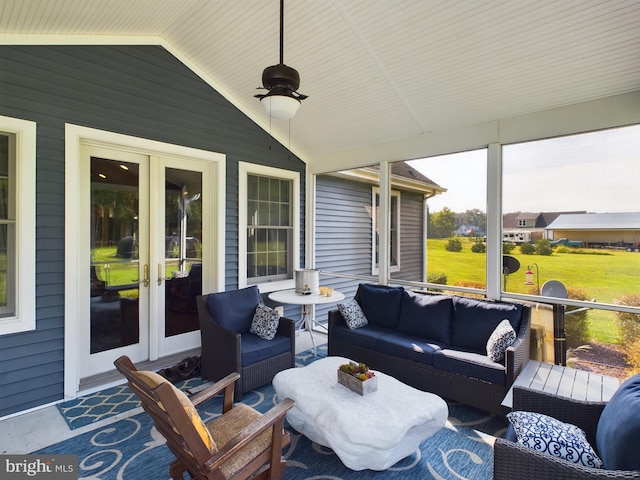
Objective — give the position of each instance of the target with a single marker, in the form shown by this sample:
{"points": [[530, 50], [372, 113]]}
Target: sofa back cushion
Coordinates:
{"points": [[380, 304], [474, 321], [618, 431], [426, 316], [234, 309]]}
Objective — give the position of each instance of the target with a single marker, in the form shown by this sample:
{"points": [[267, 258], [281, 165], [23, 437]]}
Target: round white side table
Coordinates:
{"points": [[306, 302]]}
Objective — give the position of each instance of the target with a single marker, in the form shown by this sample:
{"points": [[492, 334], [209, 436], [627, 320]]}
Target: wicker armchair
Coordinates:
{"points": [[238, 444], [514, 461], [228, 346]]}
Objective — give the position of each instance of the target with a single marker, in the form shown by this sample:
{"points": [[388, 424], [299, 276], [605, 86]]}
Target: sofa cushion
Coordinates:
{"points": [[502, 338], [426, 316], [234, 309], [364, 337], [380, 304], [352, 314], [618, 432], [265, 322], [256, 349], [474, 321], [469, 364], [402, 345], [546, 434]]}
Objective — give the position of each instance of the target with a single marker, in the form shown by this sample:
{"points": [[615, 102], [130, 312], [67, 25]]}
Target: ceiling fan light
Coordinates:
{"points": [[282, 107]]}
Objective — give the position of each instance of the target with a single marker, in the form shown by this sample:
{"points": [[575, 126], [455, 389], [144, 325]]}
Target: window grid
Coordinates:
{"points": [[269, 228]]}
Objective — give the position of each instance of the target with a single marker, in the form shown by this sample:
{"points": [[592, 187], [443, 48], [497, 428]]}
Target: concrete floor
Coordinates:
{"points": [[45, 426]]}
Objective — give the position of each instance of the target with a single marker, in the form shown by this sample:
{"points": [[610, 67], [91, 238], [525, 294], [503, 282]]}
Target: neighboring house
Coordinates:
{"points": [[468, 230], [347, 231], [534, 223], [144, 107], [597, 229]]}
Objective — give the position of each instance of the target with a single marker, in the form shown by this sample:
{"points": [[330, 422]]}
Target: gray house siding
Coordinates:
{"points": [[412, 241], [141, 91], [343, 234]]}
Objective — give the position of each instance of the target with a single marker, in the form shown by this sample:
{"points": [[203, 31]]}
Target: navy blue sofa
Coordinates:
{"points": [[435, 343]]}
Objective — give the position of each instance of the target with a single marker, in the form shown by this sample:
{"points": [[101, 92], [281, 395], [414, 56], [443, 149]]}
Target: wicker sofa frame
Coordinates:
{"points": [[511, 460], [221, 353], [454, 386]]}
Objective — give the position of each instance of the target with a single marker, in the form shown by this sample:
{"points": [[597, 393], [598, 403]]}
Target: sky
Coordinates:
{"points": [[597, 172]]}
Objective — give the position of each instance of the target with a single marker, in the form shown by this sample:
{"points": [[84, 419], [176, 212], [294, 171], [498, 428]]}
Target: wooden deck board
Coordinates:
{"points": [[564, 381]]}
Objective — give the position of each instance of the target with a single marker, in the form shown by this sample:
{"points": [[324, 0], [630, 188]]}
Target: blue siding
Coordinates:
{"points": [[134, 90]]}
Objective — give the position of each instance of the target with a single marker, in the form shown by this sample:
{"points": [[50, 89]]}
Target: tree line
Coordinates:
{"points": [[443, 224]]}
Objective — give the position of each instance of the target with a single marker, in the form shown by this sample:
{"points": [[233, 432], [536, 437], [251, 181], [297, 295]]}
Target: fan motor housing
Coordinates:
{"points": [[280, 77]]}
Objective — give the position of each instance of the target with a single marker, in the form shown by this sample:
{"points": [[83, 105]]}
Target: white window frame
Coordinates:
{"points": [[22, 147], [375, 268], [244, 170]]}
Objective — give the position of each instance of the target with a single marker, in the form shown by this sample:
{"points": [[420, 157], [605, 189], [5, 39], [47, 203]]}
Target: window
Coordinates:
{"points": [[269, 226], [394, 236], [17, 225]]}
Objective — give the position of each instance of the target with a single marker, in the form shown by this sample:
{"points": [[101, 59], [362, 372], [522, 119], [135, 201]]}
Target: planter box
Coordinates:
{"points": [[361, 387]]}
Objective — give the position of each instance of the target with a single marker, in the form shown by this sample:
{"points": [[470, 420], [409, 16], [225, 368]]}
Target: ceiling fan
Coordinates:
{"points": [[282, 99]]}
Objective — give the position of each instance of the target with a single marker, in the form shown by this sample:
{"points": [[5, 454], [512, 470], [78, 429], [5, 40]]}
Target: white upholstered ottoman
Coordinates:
{"points": [[373, 431]]}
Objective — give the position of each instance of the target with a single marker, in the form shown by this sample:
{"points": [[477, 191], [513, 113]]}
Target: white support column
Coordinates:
{"points": [[310, 216], [384, 223], [494, 221]]}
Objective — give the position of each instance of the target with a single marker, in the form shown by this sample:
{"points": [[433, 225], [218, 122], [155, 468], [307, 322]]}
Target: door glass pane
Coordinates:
{"points": [[114, 254], [183, 249], [6, 231]]}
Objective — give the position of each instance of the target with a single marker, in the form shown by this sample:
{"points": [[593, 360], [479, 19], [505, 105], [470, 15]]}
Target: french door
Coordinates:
{"points": [[145, 235]]}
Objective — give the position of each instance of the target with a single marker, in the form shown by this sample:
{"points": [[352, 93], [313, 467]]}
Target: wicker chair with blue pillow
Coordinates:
{"points": [[240, 334], [543, 441]]}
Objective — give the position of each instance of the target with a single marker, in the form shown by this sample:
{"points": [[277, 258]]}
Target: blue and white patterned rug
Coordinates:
{"points": [[107, 403], [132, 449]]}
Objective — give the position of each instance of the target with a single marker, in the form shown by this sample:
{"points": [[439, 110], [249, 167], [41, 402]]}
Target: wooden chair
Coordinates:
{"points": [[241, 443]]}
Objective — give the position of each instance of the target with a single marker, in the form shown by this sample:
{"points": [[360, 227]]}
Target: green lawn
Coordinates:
{"points": [[605, 275]]}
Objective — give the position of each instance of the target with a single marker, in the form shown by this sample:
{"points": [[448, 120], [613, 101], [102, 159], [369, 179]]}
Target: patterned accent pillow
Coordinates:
{"points": [[501, 338], [353, 314], [265, 322], [546, 434]]}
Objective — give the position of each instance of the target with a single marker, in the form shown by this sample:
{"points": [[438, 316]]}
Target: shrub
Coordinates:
{"points": [[629, 324], [507, 248], [527, 249], [576, 325], [439, 278], [543, 247], [453, 245], [632, 354], [478, 247]]}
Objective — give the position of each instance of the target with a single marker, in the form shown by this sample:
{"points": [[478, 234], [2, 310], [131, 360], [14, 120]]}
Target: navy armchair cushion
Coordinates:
{"points": [[475, 320], [618, 432], [427, 316], [234, 309], [380, 304], [256, 349]]}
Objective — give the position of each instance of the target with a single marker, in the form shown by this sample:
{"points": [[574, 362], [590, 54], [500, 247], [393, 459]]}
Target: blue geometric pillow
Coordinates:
{"points": [[502, 338], [352, 314], [265, 322], [546, 434]]}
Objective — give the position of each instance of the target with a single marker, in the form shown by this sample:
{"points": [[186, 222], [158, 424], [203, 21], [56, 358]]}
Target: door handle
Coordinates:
{"points": [[145, 280], [159, 274]]}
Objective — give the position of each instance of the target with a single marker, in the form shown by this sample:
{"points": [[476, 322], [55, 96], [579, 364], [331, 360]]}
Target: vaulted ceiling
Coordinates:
{"points": [[377, 72]]}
